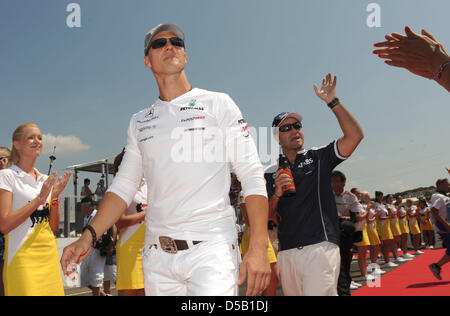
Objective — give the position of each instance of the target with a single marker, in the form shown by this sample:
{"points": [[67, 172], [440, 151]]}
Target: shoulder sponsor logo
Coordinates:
{"points": [[241, 121], [245, 131], [149, 120], [192, 103]]}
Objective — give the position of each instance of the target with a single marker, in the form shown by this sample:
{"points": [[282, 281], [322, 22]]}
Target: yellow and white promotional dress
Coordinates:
{"points": [[362, 226], [372, 232], [413, 222], [245, 243], [31, 266], [395, 223], [425, 219], [386, 232], [403, 221], [130, 242]]}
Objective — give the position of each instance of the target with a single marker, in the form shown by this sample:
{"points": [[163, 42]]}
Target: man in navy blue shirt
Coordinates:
{"points": [[309, 230]]}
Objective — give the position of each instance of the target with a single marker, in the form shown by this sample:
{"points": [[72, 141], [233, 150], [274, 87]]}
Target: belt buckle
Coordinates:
{"points": [[168, 244]]}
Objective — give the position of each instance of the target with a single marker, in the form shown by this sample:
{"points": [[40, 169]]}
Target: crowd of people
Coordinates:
{"points": [[384, 224], [190, 245]]}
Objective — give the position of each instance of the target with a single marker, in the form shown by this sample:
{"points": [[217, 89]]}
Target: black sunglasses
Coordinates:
{"points": [[161, 42], [288, 127]]}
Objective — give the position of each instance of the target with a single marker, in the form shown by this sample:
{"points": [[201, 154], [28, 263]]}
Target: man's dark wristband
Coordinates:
{"points": [[333, 103], [94, 235]]}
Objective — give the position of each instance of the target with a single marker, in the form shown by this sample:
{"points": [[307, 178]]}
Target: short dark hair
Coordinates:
{"points": [[424, 201], [353, 190], [339, 174], [441, 181], [86, 180], [378, 193]]}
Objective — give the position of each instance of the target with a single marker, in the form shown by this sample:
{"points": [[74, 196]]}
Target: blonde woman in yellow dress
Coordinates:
{"points": [[29, 216], [372, 231], [395, 228], [387, 237], [404, 228], [361, 225], [130, 242], [425, 223], [413, 218]]}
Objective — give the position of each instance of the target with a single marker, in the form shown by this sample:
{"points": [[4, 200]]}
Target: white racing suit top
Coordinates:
{"points": [[186, 150]]}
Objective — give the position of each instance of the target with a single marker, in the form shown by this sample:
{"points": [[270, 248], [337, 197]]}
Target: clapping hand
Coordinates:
{"points": [[60, 184], [421, 54]]}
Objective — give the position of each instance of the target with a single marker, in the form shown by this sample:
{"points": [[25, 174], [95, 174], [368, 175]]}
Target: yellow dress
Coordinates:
{"points": [[384, 223], [413, 222], [362, 226], [425, 220], [31, 265], [394, 222], [246, 242], [403, 222], [130, 275], [395, 227], [130, 242], [372, 232], [386, 232]]}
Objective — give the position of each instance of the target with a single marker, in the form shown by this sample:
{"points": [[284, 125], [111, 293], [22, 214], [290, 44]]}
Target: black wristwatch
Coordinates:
{"points": [[94, 235], [333, 103]]}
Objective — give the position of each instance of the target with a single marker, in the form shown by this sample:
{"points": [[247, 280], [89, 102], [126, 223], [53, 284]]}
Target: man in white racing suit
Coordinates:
{"points": [[185, 145]]}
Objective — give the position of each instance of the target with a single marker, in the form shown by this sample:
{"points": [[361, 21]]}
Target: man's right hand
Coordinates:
{"points": [[76, 252], [281, 179]]}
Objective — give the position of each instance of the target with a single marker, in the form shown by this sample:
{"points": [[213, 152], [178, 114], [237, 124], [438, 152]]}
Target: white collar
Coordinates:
{"points": [[23, 174], [174, 101]]}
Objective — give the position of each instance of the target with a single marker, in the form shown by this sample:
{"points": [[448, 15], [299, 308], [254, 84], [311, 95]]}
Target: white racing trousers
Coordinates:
{"points": [[210, 268]]}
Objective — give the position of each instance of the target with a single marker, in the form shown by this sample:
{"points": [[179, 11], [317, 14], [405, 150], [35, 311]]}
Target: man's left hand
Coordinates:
{"points": [[327, 92], [256, 266]]}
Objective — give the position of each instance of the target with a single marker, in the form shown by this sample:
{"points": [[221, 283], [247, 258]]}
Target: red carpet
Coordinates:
{"points": [[413, 278]]}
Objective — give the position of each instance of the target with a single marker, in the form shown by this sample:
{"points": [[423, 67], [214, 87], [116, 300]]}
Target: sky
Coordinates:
{"points": [[82, 84]]}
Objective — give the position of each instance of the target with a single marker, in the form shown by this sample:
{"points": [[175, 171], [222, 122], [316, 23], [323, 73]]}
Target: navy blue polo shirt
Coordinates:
{"points": [[310, 217]]}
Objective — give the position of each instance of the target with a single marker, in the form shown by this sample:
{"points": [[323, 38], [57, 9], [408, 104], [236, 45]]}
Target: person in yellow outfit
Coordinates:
{"points": [[395, 228], [404, 228], [372, 232], [413, 216], [275, 277], [386, 233], [130, 276], [29, 216], [361, 225], [425, 223], [4, 159]]}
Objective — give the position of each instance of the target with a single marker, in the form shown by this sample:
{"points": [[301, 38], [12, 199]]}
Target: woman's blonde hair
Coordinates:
{"points": [[14, 158]]}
